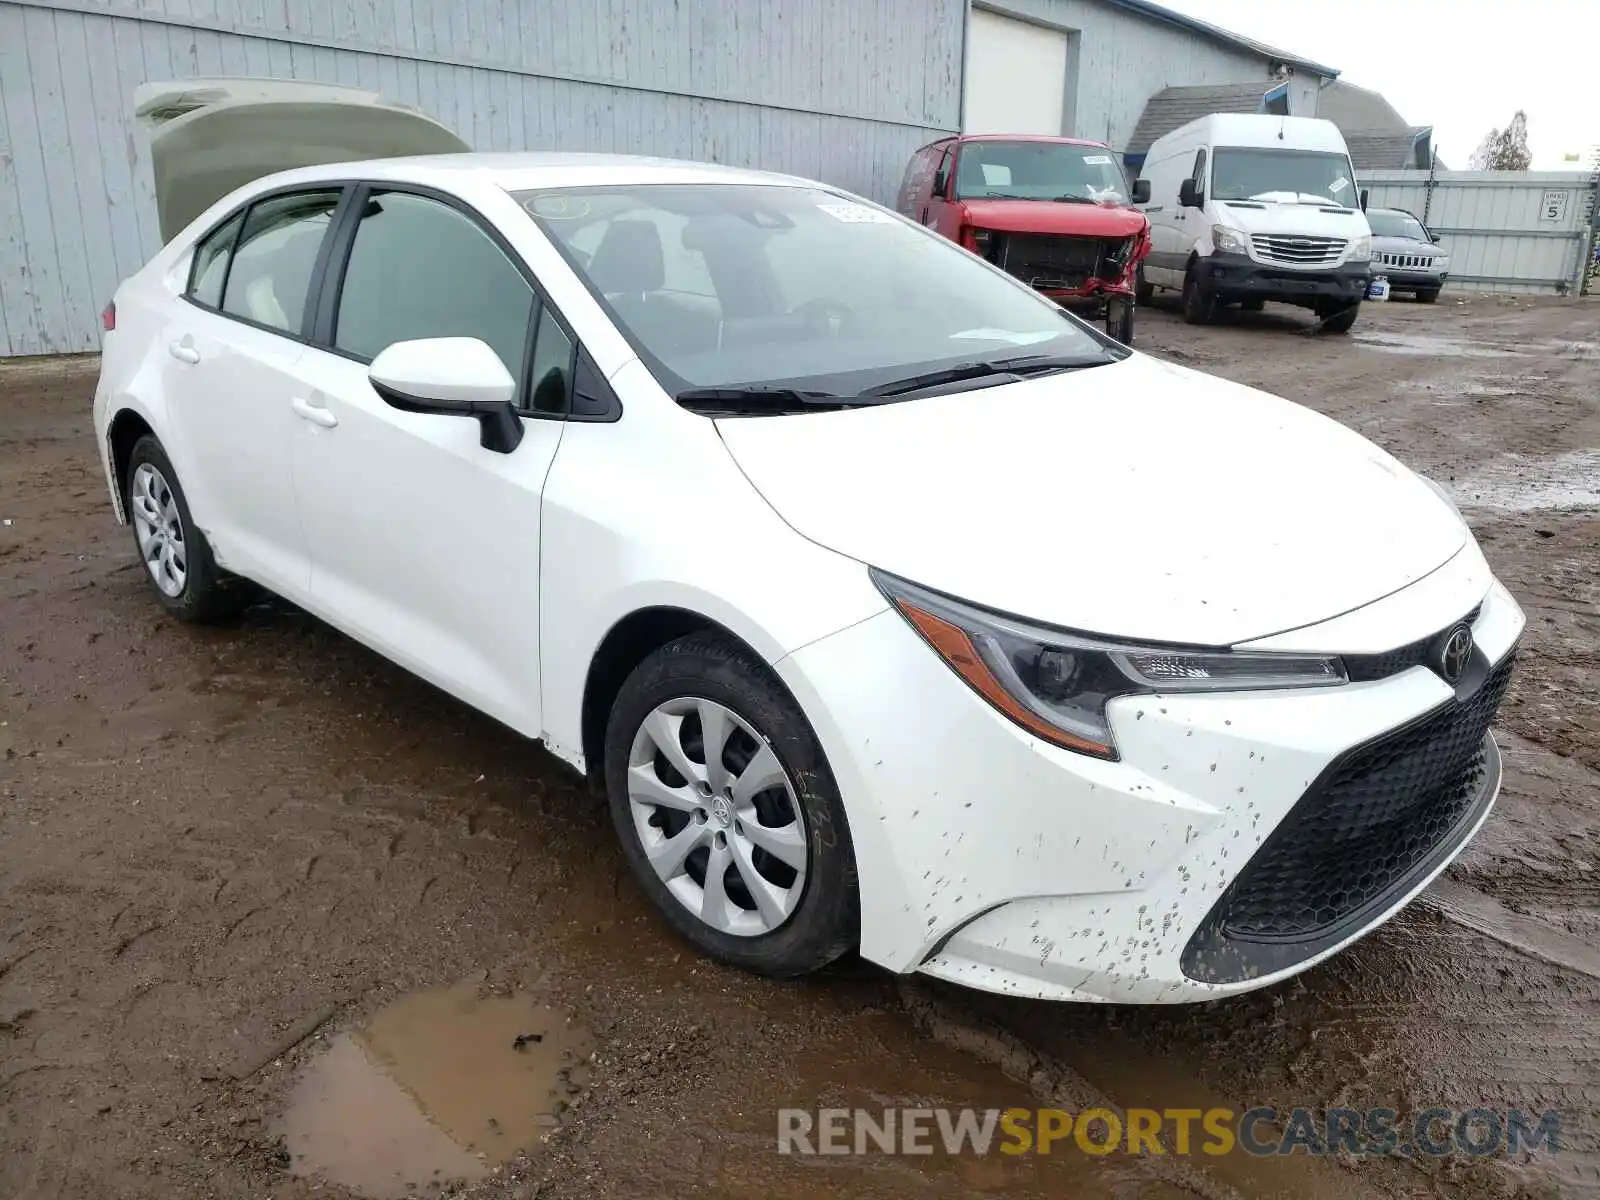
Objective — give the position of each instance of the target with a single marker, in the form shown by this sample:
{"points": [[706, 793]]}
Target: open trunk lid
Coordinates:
{"points": [[210, 136]]}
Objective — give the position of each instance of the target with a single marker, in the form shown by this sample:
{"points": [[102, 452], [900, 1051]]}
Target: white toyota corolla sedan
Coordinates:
{"points": [[895, 608]]}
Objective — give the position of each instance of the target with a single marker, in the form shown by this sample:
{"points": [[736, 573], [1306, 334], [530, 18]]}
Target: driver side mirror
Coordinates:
{"points": [[1141, 191], [453, 377], [1190, 195], [941, 184], [1364, 195]]}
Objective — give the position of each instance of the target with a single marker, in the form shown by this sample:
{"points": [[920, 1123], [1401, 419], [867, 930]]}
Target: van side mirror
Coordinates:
{"points": [[941, 183], [1365, 195], [1190, 195], [1141, 191], [453, 377]]}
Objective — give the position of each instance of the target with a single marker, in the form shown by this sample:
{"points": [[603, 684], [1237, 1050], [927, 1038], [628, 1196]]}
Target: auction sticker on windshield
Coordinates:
{"points": [[856, 214]]}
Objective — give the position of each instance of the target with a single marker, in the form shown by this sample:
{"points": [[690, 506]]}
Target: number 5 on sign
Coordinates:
{"points": [[1553, 207]]}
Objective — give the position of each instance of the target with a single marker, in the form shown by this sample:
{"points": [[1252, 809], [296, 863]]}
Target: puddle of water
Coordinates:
{"points": [[440, 1086], [1522, 483], [1432, 345]]}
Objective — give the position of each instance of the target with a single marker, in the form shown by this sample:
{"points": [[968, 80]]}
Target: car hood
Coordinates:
{"points": [[1054, 216], [1400, 245], [1306, 220], [1139, 500]]}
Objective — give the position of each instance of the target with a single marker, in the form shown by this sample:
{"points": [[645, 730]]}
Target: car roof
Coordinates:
{"points": [[531, 169], [1015, 137]]}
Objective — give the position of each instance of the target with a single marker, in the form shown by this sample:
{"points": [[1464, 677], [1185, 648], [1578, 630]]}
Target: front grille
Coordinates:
{"points": [[1297, 251], [1413, 262], [1054, 263], [1363, 667], [1363, 829]]}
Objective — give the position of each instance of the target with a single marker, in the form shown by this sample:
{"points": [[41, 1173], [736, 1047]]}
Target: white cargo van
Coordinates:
{"points": [[1249, 208]]}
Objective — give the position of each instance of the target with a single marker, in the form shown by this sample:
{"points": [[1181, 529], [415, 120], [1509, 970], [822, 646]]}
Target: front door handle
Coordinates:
{"points": [[184, 351], [314, 413]]}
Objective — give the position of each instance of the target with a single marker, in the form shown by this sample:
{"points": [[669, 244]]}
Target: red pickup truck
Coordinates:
{"points": [[1052, 211]]}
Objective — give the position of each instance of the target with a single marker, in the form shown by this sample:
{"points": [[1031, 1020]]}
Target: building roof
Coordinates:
{"points": [[1154, 12], [1386, 149], [1352, 107], [1175, 106]]}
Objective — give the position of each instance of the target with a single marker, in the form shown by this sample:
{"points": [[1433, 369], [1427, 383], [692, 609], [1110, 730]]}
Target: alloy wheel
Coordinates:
{"points": [[159, 528], [717, 816]]}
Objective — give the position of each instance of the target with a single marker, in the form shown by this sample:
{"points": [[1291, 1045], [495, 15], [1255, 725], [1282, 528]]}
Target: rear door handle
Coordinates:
{"points": [[314, 413], [184, 350]]}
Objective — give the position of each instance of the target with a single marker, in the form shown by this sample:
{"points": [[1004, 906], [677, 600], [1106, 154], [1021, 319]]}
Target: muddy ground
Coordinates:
{"points": [[261, 893]]}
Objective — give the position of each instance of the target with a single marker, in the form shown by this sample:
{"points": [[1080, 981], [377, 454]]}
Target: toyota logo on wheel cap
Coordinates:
{"points": [[1455, 652]]}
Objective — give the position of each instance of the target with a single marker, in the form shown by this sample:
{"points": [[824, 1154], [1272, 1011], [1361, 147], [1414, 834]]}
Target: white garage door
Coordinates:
{"points": [[1016, 76]]}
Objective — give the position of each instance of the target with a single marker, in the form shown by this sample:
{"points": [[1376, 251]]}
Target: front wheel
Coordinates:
{"points": [[1339, 320], [1199, 305], [1427, 295], [1119, 319], [727, 812]]}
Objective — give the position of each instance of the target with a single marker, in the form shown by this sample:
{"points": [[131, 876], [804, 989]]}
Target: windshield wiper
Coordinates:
{"points": [[759, 401], [1072, 199], [1020, 367]]}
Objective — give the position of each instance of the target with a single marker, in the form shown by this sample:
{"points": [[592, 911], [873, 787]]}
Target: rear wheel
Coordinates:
{"points": [[176, 556], [727, 812], [1143, 290], [1427, 295], [1199, 305]]}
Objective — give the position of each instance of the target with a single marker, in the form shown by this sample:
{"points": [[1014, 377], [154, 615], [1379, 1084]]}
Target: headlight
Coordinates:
{"points": [[1441, 262], [1229, 241], [1056, 684], [1360, 249]]}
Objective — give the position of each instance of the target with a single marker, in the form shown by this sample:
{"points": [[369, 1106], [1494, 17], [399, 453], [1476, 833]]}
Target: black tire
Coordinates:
{"points": [[208, 593], [1427, 295], [1143, 291], [1252, 304], [1340, 320], [1119, 319], [1199, 305], [826, 921]]}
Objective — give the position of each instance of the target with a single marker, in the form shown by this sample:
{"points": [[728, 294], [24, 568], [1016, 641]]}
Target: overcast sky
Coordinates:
{"points": [[1461, 67]]}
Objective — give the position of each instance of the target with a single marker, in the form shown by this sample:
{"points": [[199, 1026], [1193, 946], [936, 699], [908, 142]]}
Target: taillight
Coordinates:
{"points": [[108, 319]]}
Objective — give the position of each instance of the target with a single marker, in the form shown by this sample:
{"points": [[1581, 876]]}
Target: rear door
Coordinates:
{"points": [[424, 544], [233, 362]]}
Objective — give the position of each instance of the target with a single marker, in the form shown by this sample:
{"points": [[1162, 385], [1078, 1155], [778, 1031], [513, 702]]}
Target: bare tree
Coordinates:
{"points": [[1504, 149]]}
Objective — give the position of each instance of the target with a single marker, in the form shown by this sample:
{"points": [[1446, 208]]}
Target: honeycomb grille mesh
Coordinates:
{"points": [[1366, 826]]}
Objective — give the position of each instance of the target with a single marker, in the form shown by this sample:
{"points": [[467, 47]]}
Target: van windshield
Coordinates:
{"points": [[1039, 171], [1282, 176], [777, 290]]}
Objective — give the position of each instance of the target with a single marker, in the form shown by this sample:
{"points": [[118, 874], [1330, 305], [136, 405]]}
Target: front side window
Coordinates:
{"points": [[1039, 171], [739, 285], [1282, 176], [211, 263], [422, 269], [270, 277]]}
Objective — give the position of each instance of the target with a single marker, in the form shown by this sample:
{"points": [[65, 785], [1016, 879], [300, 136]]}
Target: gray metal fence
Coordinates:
{"points": [[1506, 231]]}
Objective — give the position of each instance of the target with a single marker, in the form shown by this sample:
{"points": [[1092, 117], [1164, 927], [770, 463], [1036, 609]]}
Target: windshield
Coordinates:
{"points": [[1038, 171], [1282, 176], [763, 286], [1396, 225]]}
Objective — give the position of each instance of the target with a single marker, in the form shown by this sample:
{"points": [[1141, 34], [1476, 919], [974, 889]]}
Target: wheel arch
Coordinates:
{"points": [[123, 433], [628, 642]]}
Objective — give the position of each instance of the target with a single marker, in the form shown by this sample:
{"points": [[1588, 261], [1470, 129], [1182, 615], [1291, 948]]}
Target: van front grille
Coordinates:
{"points": [[1051, 262], [1297, 251]]}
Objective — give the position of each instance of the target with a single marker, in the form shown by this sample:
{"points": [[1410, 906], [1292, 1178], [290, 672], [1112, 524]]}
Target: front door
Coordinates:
{"points": [[423, 543]]}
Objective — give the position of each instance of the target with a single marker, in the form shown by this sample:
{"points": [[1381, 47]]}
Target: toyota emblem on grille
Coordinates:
{"points": [[1455, 651]]}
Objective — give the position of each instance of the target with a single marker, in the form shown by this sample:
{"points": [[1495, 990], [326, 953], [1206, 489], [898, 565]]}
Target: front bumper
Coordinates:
{"points": [[990, 858], [1406, 280], [1238, 276]]}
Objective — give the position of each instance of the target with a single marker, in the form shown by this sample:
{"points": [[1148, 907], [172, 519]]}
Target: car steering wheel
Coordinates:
{"points": [[824, 317]]}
